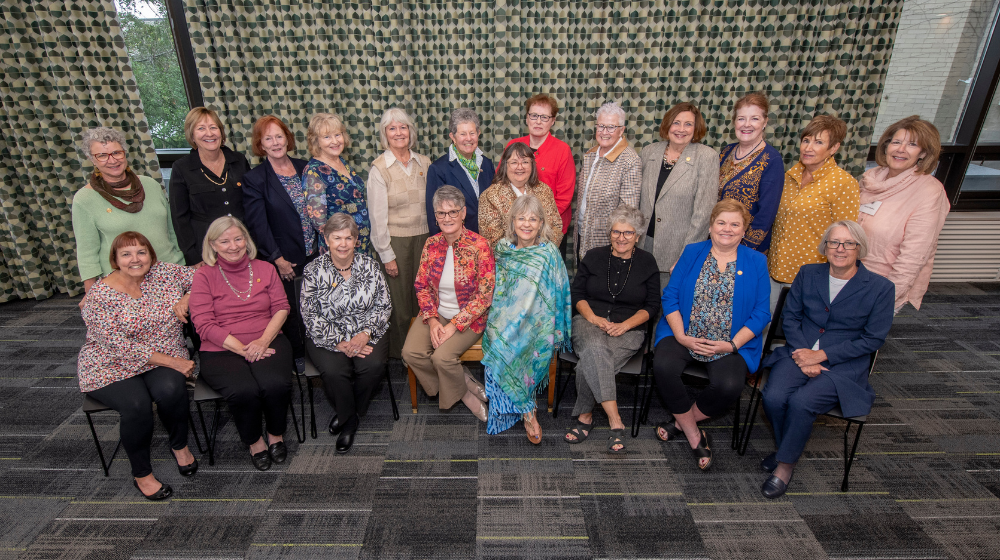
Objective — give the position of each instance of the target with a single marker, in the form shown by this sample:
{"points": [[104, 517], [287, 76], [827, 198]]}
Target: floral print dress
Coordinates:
{"points": [[329, 192]]}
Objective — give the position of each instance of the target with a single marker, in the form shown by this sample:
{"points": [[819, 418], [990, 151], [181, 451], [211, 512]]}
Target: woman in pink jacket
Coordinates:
{"points": [[903, 208]]}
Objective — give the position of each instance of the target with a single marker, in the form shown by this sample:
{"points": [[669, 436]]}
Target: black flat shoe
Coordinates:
{"points": [[188, 470], [261, 461], [278, 452], [774, 487], [335, 426], [163, 493], [346, 438], [769, 463]]}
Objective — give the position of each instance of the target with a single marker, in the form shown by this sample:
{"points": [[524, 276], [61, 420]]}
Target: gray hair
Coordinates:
{"points": [[398, 115], [528, 204], [215, 231], [101, 134], [857, 234], [462, 115], [612, 109], [628, 215], [448, 193], [338, 222]]}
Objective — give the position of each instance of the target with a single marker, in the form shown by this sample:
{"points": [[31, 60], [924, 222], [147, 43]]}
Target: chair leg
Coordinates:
{"points": [[413, 388], [849, 459], [312, 408], [392, 395], [295, 423], [204, 431], [636, 406], [562, 388], [734, 442], [194, 432], [97, 443], [648, 401], [302, 406], [748, 421], [552, 377]]}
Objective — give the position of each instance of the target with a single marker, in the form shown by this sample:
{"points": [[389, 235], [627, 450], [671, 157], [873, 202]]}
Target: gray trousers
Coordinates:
{"points": [[600, 358], [401, 292]]}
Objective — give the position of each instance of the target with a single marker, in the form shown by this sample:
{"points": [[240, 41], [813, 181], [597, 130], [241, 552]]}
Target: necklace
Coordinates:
{"points": [[622, 288], [669, 162], [210, 180], [343, 269], [239, 293], [736, 152]]}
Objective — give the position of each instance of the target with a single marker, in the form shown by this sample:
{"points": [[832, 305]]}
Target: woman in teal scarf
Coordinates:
{"points": [[529, 319]]}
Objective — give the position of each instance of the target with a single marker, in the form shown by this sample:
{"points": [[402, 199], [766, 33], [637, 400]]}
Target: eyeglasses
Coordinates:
{"points": [[849, 245], [518, 164], [448, 214], [103, 157], [537, 117], [625, 234], [531, 220], [608, 127]]}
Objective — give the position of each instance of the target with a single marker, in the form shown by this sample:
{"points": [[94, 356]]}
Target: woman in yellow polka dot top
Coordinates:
{"points": [[817, 193]]}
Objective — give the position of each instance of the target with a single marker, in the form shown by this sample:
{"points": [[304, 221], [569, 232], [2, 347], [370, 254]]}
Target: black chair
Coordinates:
{"points": [[859, 420], [312, 372], [638, 366], [94, 406]]}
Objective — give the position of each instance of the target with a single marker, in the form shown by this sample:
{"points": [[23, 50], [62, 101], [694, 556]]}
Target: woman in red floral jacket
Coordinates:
{"points": [[454, 290]]}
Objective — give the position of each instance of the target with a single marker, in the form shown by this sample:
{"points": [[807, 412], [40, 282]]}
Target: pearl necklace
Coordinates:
{"points": [[620, 290]]}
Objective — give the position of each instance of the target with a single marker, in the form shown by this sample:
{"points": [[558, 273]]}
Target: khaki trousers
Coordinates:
{"points": [[439, 371]]}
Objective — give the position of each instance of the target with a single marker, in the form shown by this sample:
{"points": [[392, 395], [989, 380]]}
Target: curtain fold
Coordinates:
{"points": [[63, 69], [357, 59]]}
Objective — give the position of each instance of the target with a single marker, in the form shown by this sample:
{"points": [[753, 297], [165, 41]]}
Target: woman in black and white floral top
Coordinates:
{"points": [[346, 308]]}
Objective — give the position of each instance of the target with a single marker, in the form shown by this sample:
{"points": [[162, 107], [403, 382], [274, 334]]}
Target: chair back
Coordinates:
{"points": [[775, 331]]}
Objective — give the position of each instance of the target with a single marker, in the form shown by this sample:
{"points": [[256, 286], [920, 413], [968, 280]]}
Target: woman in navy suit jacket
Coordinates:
{"points": [[835, 316], [274, 210], [463, 167], [715, 309]]}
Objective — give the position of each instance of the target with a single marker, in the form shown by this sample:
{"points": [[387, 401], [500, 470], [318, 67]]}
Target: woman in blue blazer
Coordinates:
{"points": [[835, 316], [274, 210], [715, 309], [463, 167]]}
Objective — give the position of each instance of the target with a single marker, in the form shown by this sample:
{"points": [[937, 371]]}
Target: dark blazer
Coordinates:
{"points": [[751, 296], [444, 172], [271, 216], [849, 329], [195, 200]]}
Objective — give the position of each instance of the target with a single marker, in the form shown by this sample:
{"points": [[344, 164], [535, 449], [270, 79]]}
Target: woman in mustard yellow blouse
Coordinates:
{"points": [[817, 193]]}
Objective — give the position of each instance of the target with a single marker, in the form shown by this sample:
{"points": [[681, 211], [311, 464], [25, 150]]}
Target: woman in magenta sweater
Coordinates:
{"points": [[238, 305]]}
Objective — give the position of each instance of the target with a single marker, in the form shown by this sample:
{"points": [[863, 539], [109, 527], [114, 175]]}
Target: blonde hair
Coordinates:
{"points": [[528, 204], [322, 124], [192, 119], [215, 231], [398, 115]]}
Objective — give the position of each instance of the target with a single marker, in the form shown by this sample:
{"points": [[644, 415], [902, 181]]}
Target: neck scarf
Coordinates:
{"points": [[135, 194], [875, 184], [469, 164]]}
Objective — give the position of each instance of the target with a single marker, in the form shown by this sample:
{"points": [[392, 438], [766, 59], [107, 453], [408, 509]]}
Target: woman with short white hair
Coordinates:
{"points": [[611, 175], [238, 305], [397, 186]]}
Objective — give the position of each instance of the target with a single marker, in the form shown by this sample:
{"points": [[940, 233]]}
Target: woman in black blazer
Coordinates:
{"points": [[274, 204], [463, 167], [205, 184]]}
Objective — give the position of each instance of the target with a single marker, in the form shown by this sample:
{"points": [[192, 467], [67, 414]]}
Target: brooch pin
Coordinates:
{"points": [[109, 210], [739, 272], [258, 280]]}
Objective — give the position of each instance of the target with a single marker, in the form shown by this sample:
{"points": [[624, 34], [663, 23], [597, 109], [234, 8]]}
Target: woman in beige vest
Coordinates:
{"points": [[397, 187]]}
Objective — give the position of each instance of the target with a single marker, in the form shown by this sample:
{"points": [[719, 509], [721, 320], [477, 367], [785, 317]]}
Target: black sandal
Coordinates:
{"points": [[670, 427], [578, 432], [703, 450], [616, 439]]}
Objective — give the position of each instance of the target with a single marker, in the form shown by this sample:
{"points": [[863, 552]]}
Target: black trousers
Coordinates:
{"points": [[294, 328], [133, 399], [262, 388], [350, 382], [726, 377]]}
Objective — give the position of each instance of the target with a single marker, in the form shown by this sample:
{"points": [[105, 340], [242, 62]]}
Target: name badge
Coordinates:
{"points": [[871, 207]]}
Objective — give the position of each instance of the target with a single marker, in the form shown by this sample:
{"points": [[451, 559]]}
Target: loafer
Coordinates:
{"points": [[278, 452], [774, 487], [163, 493], [769, 463], [345, 441], [261, 461], [188, 470], [335, 426]]}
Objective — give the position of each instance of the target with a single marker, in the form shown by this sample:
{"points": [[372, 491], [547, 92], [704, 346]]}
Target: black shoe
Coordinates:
{"points": [[188, 470], [163, 493], [278, 452], [774, 487], [346, 438], [769, 463], [335, 426], [261, 461]]}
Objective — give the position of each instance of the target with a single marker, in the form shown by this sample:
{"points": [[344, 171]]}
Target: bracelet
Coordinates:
{"points": [[735, 349]]}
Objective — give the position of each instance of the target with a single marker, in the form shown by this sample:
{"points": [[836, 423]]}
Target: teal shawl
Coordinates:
{"points": [[530, 317]]}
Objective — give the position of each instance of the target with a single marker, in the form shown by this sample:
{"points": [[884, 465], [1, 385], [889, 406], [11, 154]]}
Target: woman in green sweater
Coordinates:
{"points": [[117, 200]]}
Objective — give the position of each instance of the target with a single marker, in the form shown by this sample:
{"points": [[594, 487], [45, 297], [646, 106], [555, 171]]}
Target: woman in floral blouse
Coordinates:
{"points": [[135, 354], [455, 290], [331, 185], [346, 308]]}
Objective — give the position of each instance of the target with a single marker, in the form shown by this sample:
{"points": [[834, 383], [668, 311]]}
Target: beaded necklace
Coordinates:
{"points": [[620, 290], [239, 293]]}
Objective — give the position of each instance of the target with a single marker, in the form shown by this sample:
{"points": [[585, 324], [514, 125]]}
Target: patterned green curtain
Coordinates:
{"points": [[294, 59], [63, 69]]}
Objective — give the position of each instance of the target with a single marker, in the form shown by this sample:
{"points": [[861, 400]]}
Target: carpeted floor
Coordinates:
{"points": [[926, 483]]}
